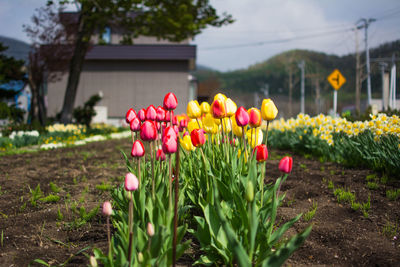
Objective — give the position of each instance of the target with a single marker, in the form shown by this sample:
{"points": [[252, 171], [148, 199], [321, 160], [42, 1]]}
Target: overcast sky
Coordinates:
{"points": [[263, 28]]}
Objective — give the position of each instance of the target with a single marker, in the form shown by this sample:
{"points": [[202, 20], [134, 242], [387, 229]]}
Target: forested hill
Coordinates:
{"points": [[275, 71]]}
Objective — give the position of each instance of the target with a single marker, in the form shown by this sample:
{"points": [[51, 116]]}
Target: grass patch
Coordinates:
{"points": [[393, 194], [50, 199], [310, 214]]}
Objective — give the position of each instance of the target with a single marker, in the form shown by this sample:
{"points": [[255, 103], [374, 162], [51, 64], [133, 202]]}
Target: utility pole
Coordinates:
{"points": [[301, 65], [290, 89], [365, 25], [358, 75], [317, 95]]}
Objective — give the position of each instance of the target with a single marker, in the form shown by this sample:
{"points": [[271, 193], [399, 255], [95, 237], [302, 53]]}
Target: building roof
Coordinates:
{"points": [[142, 52]]}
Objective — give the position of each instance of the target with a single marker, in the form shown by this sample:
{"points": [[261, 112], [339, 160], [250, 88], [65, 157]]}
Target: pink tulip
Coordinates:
{"points": [[169, 132], [135, 125], [151, 113], [131, 182], [170, 101], [285, 165], [130, 115], [137, 149], [168, 115], [150, 229], [185, 133], [148, 131], [142, 114], [160, 114], [170, 145], [242, 117], [107, 208]]}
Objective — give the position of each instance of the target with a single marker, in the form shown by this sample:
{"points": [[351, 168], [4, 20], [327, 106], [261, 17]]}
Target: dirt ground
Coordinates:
{"points": [[340, 236]]}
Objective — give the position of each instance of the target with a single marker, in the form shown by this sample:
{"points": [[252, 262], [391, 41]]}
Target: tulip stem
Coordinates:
{"points": [[198, 123], [244, 142], [279, 187], [230, 121], [175, 209], [108, 235], [130, 249], [133, 137], [170, 180], [138, 164], [262, 182], [266, 135], [152, 170]]}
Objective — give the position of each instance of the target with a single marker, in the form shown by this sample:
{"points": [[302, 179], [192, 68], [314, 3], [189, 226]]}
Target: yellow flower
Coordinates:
{"points": [[193, 110], [209, 124], [255, 137], [268, 110], [230, 107], [192, 124], [226, 125], [186, 143], [237, 130], [220, 97], [205, 108]]}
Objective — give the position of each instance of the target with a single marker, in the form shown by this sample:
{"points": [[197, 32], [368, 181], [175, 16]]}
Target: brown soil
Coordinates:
{"points": [[340, 236]]}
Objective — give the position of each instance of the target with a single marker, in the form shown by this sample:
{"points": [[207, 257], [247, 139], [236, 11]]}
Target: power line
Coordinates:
{"points": [[284, 40]]}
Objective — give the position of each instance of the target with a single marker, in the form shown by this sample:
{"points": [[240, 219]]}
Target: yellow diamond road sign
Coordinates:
{"points": [[336, 79]]}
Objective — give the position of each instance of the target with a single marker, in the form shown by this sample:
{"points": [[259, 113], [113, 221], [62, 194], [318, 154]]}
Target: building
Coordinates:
{"points": [[128, 75]]}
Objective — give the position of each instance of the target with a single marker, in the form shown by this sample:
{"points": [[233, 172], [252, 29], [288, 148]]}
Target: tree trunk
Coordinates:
{"points": [[75, 68]]}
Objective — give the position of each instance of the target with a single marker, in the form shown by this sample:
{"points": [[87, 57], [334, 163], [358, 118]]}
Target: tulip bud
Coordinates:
{"points": [[93, 261], [249, 191], [107, 208], [218, 109], [230, 107], [268, 110], [261, 153], [205, 108], [242, 117], [130, 115], [137, 149], [160, 155], [183, 123], [131, 182], [193, 110], [197, 137], [140, 257], [148, 131], [170, 101], [255, 117], [142, 114], [285, 165], [151, 113], [150, 229], [135, 125], [160, 114]]}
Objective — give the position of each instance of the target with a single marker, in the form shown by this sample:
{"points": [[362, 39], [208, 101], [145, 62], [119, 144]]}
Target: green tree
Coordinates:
{"points": [[174, 20]]}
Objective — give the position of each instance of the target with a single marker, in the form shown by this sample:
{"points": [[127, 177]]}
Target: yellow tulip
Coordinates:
{"points": [[237, 130], [193, 109], [205, 108], [192, 124], [226, 125], [230, 107], [254, 137], [209, 124], [268, 110], [221, 97], [186, 143]]}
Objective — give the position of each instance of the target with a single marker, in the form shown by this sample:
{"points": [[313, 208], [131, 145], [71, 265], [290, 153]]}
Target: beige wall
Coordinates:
{"points": [[125, 84]]}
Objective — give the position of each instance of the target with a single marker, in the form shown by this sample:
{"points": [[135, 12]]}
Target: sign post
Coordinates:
{"points": [[336, 79]]}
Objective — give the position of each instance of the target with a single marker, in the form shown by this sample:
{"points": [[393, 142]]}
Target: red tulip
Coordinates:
{"points": [[148, 131], [160, 155], [137, 149], [130, 115], [170, 144], [107, 208], [168, 115], [142, 114], [197, 137], [175, 120], [131, 182], [170, 101], [285, 165], [255, 117], [242, 117], [218, 109], [151, 113], [135, 125], [160, 114], [262, 153]]}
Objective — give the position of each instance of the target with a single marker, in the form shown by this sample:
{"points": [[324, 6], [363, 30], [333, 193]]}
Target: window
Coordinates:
{"points": [[105, 36]]}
